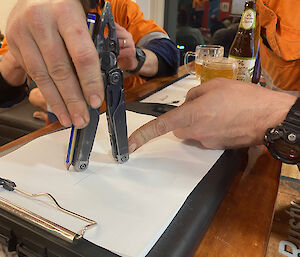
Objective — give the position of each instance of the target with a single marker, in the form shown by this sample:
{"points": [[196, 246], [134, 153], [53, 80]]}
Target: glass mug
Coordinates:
{"points": [[202, 53], [218, 68]]}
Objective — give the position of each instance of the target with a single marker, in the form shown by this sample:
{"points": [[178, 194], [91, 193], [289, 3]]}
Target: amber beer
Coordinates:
{"points": [[223, 68], [201, 53], [198, 68], [242, 48]]}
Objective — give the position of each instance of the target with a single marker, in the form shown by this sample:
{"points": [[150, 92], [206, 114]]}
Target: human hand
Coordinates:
{"points": [[11, 71], [127, 56], [220, 114], [50, 40]]}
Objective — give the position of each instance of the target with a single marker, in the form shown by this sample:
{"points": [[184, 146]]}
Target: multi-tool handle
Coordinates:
{"points": [[82, 140]]}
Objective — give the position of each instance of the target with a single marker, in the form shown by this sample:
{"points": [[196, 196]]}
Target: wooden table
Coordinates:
{"points": [[242, 224]]}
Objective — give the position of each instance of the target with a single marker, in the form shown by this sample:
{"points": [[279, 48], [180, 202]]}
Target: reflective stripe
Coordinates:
{"points": [[150, 36]]}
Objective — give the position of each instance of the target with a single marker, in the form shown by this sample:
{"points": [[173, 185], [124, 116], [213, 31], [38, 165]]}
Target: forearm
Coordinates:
{"points": [[273, 113], [167, 55]]}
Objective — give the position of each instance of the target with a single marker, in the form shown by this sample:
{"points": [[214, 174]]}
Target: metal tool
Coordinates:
{"points": [[82, 140]]}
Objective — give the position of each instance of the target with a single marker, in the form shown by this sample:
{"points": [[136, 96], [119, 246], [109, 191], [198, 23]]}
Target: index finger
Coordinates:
{"points": [[73, 29], [179, 117]]}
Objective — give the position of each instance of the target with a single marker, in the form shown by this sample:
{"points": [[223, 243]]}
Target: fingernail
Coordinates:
{"points": [[132, 147], [78, 121], [65, 120], [95, 101]]}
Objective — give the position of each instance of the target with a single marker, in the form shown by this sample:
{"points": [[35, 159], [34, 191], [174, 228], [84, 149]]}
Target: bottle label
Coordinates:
{"points": [[245, 68], [248, 19]]}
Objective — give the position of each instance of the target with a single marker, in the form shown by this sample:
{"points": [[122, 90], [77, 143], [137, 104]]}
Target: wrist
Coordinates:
{"points": [[133, 65], [281, 109], [274, 113], [283, 141], [140, 60]]}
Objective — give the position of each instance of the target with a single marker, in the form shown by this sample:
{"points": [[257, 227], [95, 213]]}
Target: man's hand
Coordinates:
{"points": [[220, 114], [127, 57], [50, 40]]}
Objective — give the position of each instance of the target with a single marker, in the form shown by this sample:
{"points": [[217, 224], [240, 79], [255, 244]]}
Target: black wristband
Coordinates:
{"points": [[141, 57], [283, 142], [10, 95]]}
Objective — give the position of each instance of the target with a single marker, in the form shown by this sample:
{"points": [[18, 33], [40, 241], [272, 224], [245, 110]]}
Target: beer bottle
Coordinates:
{"points": [[242, 48]]}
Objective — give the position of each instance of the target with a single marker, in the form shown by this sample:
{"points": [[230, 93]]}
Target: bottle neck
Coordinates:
{"points": [[248, 18]]}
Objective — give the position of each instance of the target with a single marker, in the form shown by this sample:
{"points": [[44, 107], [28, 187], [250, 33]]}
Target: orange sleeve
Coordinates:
{"points": [[4, 47], [280, 20], [128, 14]]}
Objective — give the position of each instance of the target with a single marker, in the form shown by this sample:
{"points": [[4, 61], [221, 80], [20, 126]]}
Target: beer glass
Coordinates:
{"points": [[216, 68], [202, 53]]}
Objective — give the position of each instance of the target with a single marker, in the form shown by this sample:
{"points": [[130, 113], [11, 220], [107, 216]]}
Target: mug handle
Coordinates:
{"points": [[186, 62]]}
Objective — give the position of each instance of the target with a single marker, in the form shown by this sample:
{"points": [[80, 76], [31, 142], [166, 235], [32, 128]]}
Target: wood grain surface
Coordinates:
{"points": [[285, 234], [242, 224]]}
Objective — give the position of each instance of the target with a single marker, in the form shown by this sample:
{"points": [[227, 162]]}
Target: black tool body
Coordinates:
{"points": [[82, 140]]}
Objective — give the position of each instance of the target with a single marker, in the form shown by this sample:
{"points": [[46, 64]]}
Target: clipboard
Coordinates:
{"points": [[179, 239]]}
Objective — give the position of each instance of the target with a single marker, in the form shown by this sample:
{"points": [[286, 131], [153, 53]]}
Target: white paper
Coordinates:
{"points": [[133, 203], [175, 93]]}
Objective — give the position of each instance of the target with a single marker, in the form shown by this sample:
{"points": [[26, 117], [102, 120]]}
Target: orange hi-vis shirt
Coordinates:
{"points": [[4, 47], [128, 15], [279, 21]]}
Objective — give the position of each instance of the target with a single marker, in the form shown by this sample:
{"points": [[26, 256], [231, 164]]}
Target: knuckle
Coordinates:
{"points": [[60, 72], [39, 76], [74, 102], [90, 84], [142, 137], [36, 18], [57, 107], [161, 126], [85, 57]]}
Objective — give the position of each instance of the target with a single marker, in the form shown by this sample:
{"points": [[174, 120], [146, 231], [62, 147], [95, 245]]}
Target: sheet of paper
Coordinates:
{"points": [[175, 93], [133, 203]]}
